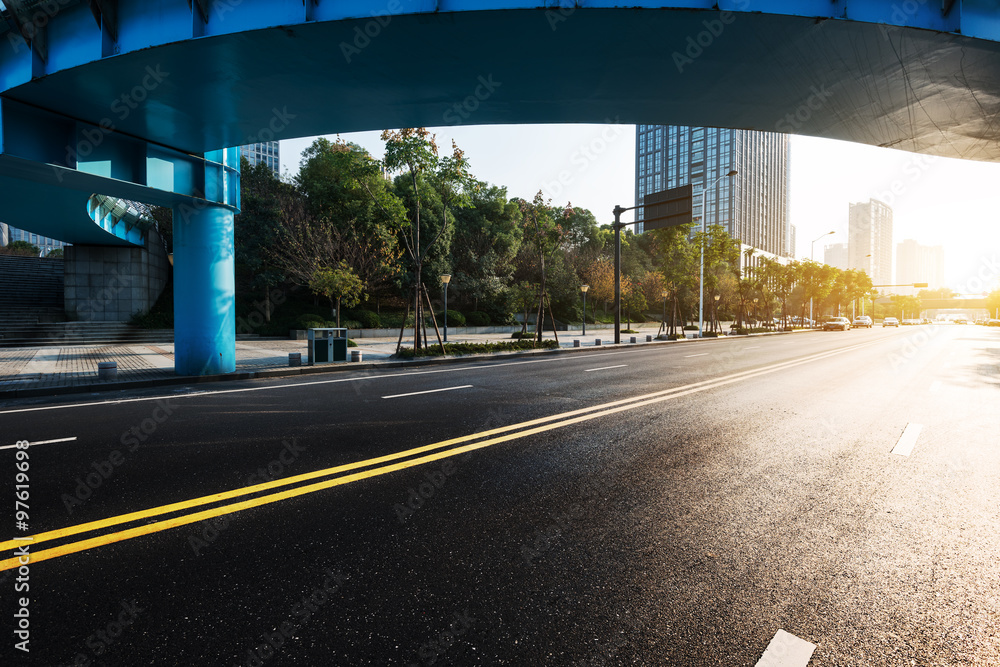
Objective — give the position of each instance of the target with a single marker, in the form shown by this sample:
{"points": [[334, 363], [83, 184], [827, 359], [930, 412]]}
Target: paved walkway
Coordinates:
{"points": [[76, 366]]}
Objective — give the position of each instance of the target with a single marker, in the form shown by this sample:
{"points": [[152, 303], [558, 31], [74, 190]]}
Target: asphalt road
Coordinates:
{"points": [[666, 505]]}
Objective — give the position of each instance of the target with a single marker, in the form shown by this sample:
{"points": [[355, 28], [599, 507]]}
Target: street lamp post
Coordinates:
{"points": [[715, 309], [701, 280], [584, 288], [663, 322], [756, 313], [445, 279], [812, 252]]}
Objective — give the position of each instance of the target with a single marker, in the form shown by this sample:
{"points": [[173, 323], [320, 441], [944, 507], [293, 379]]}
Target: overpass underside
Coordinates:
{"points": [[136, 98]]}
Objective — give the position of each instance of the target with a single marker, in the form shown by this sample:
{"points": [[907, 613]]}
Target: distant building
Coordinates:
{"points": [[916, 263], [792, 242], [752, 206], [268, 153], [869, 240], [836, 255], [46, 245]]}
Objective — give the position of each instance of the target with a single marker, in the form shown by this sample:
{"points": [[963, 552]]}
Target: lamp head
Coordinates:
{"points": [[446, 278], [584, 288]]}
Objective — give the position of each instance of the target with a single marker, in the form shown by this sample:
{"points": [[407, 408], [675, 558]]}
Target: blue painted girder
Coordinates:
{"points": [[920, 90]]}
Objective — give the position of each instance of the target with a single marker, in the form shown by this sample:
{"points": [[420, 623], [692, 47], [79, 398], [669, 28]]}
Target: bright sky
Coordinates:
{"points": [[936, 201]]}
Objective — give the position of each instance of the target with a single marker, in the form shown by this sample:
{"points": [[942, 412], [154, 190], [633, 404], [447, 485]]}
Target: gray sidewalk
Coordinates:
{"points": [[35, 371]]}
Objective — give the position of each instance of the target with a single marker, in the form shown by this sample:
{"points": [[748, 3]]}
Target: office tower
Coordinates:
{"points": [[835, 255], [916, 263], [267, 153], [869, 240], [752, 206]]}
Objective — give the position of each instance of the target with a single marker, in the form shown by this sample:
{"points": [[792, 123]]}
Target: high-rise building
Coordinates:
{"points": [[835, 255], [263, 153], [752, 206], [46, 245], [869, 240], [792, 247], [917, 263]]}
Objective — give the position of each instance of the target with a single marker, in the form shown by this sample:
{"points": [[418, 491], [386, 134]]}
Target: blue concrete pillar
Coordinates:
{"points": [[204, 291]]}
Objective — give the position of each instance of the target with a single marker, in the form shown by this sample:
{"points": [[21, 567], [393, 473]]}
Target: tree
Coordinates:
{"points": [[542, 235], [600, 275], [23, 248], [485, 243], [56, 254], [993, 303], [258, 228], [413, 153], [351, 202], [678, 258], [339, 285]]}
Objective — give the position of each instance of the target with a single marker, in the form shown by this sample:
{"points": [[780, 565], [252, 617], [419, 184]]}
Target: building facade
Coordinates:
{"points": [[268, 153], [869, 240], [46, 245], [835, 255], [916, 263], [752, 205]]}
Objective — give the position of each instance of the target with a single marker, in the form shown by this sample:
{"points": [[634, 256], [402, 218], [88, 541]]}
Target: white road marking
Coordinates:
{"points": [[429, 391], [907, 440], [387, 376], [786, 650], [703, 354], [591, 370], [752, 347], [41, 442], [935, 385]]}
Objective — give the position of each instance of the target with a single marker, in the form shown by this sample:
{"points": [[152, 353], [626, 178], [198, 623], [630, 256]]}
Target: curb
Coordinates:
{"points": [[340, 368]]}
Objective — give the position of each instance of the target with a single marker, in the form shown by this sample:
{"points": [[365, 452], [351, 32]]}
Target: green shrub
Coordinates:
{"points": [[477, 318], [369, 319], [691, 327], [455, 318], [476, 348]]}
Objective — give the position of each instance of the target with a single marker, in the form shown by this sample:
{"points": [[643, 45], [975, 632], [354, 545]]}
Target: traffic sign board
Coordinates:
{"points": [[667, 208]]}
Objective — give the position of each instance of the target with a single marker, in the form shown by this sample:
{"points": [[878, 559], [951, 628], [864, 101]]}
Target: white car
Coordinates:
{"points": [[862, 321], [890, 322]]}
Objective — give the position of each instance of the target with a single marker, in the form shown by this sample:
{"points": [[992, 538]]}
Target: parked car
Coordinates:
{"points": [[833, 323], [890, 322], [862, 321], [993, 323]]}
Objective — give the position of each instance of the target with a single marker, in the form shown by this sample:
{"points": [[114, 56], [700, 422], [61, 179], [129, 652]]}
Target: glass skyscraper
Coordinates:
{"points": [[263, 153], [752, 206]]}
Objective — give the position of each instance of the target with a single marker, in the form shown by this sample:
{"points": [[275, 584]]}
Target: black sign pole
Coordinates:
{"points": [[618, 272]]}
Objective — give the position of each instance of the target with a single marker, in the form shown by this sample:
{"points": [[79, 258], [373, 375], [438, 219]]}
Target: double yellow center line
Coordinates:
{"points": [[371, 468]]}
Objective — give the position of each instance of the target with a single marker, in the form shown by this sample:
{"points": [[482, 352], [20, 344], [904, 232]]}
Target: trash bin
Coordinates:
{"points": [[327, 346]]}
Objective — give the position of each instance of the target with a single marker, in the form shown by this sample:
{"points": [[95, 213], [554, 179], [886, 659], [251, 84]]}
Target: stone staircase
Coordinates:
{"points": [[32, 313]]}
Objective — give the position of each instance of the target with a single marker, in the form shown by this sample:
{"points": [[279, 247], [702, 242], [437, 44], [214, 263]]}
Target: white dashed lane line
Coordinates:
{"points": [[786, 650], [907, 440], [605, 368], [41, 442], [429, 391]]}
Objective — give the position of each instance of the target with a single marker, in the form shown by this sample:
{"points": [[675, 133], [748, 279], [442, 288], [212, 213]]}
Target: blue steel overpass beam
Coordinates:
{"points": [[52, 166]]}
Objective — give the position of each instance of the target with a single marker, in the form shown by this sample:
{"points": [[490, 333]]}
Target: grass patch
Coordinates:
{"points": [[476, 348]]}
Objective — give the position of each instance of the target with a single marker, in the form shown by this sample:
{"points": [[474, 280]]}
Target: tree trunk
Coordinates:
{"points": [[338, 312], [267, 303]]}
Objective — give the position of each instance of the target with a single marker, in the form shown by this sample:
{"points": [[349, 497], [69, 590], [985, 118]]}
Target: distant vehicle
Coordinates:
{"points": [[909, 322], [982, 320], [926, 320], [993, 323], [833, 323], [961, 320], [890, 322], [862, 321]]}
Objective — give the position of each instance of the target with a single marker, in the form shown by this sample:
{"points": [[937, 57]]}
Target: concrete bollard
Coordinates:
{"points": [[597, 341], [294, 359], [576, 342], [355, 355], [649, 338], [107, 370], [632, 339]]}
